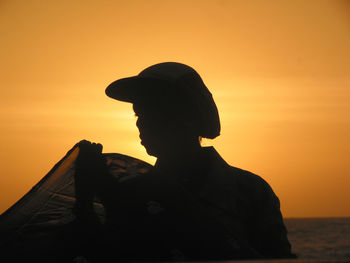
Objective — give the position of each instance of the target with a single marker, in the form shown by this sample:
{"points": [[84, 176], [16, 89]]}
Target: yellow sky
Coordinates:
{"points": [[279, 72]]}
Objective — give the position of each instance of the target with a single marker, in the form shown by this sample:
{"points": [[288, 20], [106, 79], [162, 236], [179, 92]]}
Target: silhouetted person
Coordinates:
{"points": [[192, 205]]}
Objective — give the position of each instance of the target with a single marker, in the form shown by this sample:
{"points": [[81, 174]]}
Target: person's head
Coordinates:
{"points": [[163, 129], [173, 106]]}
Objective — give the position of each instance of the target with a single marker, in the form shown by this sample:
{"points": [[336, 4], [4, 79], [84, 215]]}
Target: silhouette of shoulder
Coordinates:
{"points": [[251, 183], [237, 179]]}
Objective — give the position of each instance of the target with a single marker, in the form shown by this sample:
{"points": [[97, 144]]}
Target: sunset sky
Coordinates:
{"points": [[279, 72]]}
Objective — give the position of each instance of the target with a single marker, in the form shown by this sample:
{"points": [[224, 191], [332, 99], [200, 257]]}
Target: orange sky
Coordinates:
{"points": [[279, 72]]}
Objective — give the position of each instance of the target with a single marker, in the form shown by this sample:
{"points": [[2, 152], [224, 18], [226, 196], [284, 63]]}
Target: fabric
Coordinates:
{"points": [[39, 226]]}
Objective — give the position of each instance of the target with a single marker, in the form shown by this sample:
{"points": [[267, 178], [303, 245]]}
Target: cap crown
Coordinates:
{"points": [[170, 71]]}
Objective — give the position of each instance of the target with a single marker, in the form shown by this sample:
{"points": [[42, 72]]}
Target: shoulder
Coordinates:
{"points": [[249, 185], [246, 178], [253, 185], [231, 175]]}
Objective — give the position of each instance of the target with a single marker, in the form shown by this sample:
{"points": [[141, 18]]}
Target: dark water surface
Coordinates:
{"points": [[320, 238]]}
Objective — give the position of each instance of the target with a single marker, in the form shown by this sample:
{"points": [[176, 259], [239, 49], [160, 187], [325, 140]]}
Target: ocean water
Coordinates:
{"points": [[320, 238]]}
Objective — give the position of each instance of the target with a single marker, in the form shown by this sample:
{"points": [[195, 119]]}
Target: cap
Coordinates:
{"points": [[177, 83]]}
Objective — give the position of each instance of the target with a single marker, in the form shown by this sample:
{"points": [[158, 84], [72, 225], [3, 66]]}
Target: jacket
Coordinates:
{"points": [[220, 212]]}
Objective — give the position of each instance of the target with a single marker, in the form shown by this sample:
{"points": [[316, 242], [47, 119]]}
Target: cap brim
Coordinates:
{"points": [[132, 88]]}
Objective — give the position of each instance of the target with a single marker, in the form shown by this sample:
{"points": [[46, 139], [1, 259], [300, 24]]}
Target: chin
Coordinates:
{"points": [[150, 150], [152, 153]]}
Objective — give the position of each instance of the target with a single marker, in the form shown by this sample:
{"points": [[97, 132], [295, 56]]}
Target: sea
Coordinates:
{"points": [[320, 239]]}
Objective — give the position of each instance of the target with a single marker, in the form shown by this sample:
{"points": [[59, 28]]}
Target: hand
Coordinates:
{"points": [[90, 155], [89, 165]]}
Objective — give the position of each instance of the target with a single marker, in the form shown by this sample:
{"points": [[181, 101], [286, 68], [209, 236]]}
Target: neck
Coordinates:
{"points": [[185, 156]]}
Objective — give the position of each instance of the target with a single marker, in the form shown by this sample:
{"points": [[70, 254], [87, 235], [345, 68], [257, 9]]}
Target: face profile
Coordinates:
{"points": [[161, 131], [153, 129]]}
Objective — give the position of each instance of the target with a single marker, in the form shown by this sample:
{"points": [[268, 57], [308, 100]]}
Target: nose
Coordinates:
{"points": [[138, 122], [142, 123]]}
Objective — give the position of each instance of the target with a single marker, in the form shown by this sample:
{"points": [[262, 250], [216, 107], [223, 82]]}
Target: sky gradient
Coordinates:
{"points": [[279, 72]]}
